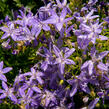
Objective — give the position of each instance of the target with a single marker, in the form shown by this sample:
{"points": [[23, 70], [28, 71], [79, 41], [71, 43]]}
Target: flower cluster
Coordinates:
{"points": [[52, 83]]}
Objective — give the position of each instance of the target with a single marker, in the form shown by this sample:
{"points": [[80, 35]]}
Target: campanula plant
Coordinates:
{"points": [[58, 57]]}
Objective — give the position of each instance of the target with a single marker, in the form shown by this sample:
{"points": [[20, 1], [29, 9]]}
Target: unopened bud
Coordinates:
{"points": [[92, 93], [85, 99]]}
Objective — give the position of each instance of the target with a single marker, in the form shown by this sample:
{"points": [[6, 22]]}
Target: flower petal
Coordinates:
{"points": [[59, 26], [13, 97], [63, 13], [103, 37], [69, 61], [7, 69], [103, 54], [57, 51], [44, 65], [102, 66], [74, 89], [2, 96], [5, 36], [4, 85], [93, 103], [1, 65], [46, 27], [61, 67], [3, 78], [90, 68], [22, 93], [36, 89], [40, 80], [33, 71], [85, 65], [5, 29], [69, 52]]}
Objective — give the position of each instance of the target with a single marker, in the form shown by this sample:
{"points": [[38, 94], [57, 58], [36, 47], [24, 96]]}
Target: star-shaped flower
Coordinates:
{"points": [[95, 58], [58, 21], [35, 75], [9, 31], [7, 92], [93, 32], [62, 60], [87, 17]]}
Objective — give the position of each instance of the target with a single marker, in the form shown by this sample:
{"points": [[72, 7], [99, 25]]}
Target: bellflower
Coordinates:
{"points": [[24, 34], [35, 75], [9, 31], [7, 92], [58, 21], [30, 85], [49, 98], [48, 60], [91, 63], [87, 18], [63, 60], [46, 7], [93, 32], [3, 71], [83, 43], [46, 10], [48, 57], [26, 98], [25, 19], [37, 26], [79, 82]]}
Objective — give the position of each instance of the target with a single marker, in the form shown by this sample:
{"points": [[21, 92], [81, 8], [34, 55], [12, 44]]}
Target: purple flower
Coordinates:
{"points": [[79, 82], [1, 21], [18, 79], [9, 31], [35, 75], [63, 4], [30, 85], [95, 57], [7, 92], [3, 71], [87, 18], [48, 98], [58, 21], [26, 98], [37, 26], [63, 60], [25, 19], [49, 58], [93, 31], [83, 43], [90, 66], [24, 34]]}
